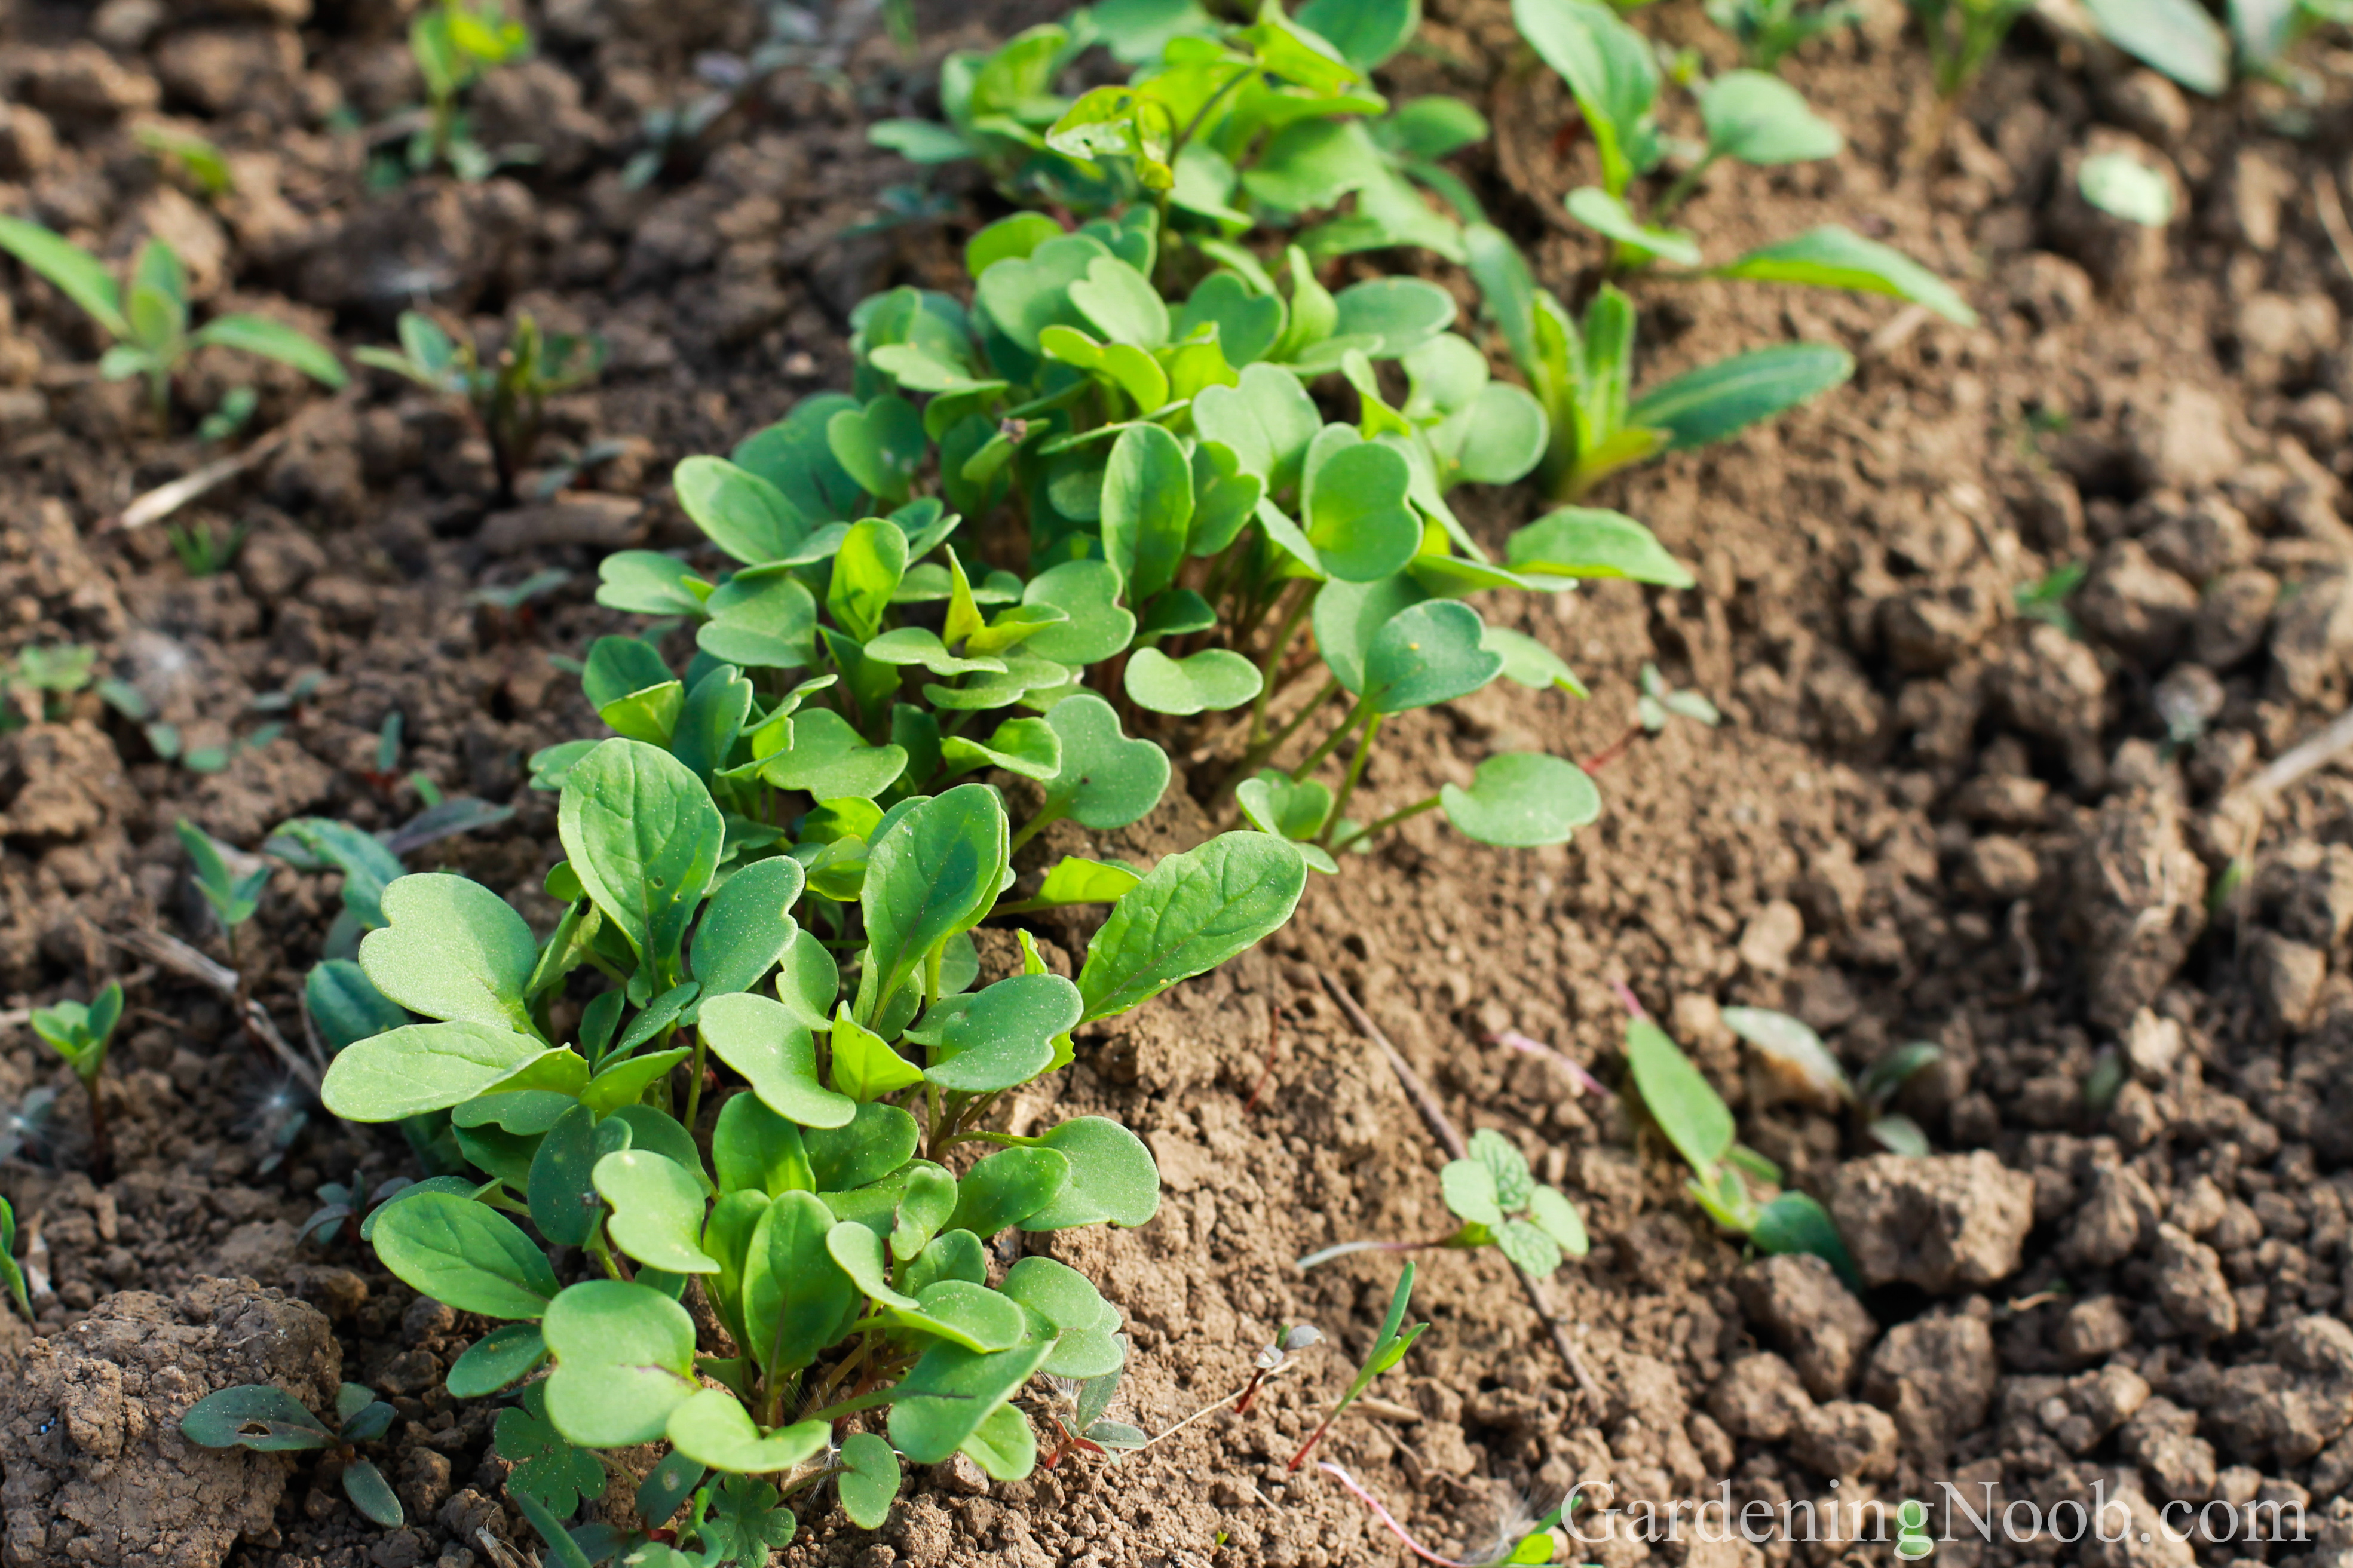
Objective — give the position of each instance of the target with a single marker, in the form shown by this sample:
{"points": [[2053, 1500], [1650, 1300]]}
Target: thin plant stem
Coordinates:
{"points": [[1680, 192], [1355, 772], [1613, 751], [1346, 1249], [1036, 824], [1330, 743], [1275, 743], [1251, 1387], [694, 1090], [1385, 823], [1275, 648]]}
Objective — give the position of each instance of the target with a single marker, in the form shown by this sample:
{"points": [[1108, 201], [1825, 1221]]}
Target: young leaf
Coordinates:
{"points": [[1403, 313], [1611, 217], [1356, 510], [877, 1142], [1588, 541], [997, 1037], [1686, 1106], [257, 1415], [2123, 186], [1792, 1048], [644, 839], [624, 1360], [865, 1067], [657, 1211], [1147, 508], [421, 1067], [1095, 626], [952, 1389], [1559, 1219], [465, 1254], [1191, 913], [1003, 1445], [1520, 800], [1008, 1187], [712, 1428], [275, 341], [1610, 69], [496, 1361], [1089, 1344], [748, 925], [1212, 681], [451, 949], [1107, 780], [1469, 1188], [829, 759], [2176, 37], [71, 270], [560, 1185], [869, 1480], [1711, 403], [753, 1149], [1795, 1222], [1427, 653], [795, 1297], [933, 873], [1835, 258], [1266, 420], [1759, 118], [1113, 1177], [775, 1052]]}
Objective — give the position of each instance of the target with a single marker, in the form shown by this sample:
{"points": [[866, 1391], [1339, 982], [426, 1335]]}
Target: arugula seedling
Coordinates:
{"points": [[506, 397], [1657, 705], [1396, 1337], [205, 551], [455, 44], [35, 685], [150, 333], [79, 1034], [267, 1419], [1770, 30], [1079, 1412], [1698, 1124], [1501, 1204]]}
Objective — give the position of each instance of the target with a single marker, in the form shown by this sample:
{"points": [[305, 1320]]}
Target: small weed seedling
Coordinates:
{"points": [[12, 1273], [1501, 1204], [204, 550], [35, 685], [79, 1033], [228, 420], [2046, 598], [151, 335], [1770, 30], [1079, 1412], [190, 156], [1698, 1123], [1792, 1050], [1658, 704], [507, 398], [456, 43], [1397, 1337], [235, 900], [2123, 186], [165, 739], [1962, 35], [267, 1419], [513, 608]]}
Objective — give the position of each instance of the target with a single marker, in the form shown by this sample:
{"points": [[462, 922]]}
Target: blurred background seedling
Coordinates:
{"points": [[79, 1034]]}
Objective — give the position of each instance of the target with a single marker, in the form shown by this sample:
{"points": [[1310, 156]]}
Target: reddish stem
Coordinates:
{"points": [[1274, 1043], [1612, 752]]}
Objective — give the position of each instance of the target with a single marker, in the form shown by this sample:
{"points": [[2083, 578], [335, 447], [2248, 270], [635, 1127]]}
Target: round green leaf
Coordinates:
{"points": [[1266, 421], [1523, 799], [1113, 1177], [1027, 294], [624, 1360], [1191, 913], [643, 837], [1121, 303], [657, 1211], [1212, 681], [452, 948], [869, 1482], [1088, 1344], [1559, 1218], [498, 1360], [865, 1067], [1088, 593], [967, 1314], [952, 1254], [2123, 186], [828, 758], [1469, 1188], [465, 1255], [858, 1252], [422, 1068], [932, 873], [1276, 804], [766, 623], [1008, 1187], [875, 1141], [1107, 779], [996, 1038], [1004, 1445], [1347, 617], [712, 1428], [747, 924], [1503, 436], [753, 1149], [1427, 653], [777, 1055], [879, 446], [561, 1186], [1402, 313], [738, 510], [1248, 322], [929, 1201], [1357, 516]]}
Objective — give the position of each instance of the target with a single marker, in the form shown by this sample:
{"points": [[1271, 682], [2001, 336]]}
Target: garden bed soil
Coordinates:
{"points": [[1924, 816]]}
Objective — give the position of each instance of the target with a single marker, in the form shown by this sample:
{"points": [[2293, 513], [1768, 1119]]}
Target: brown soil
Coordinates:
{"points": [[1926, 816]]}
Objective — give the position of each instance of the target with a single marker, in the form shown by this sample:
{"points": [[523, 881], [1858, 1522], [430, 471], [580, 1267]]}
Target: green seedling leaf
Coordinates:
{"points": [[964, 1314], [922, 646], [869, 1481], [421, 1067], [1266, 420], [560, 1187], [1528, 1247], [1356, 510], [1095, 624], [952, 1254], [867, 571], [829, 759], [452, 950], [1558, 1218], [738, 510], [1365, 33], [666, 1486], [998, 1037], [1611, 72], [2123, 186], [498, 1360], [644, 839], [657, 1211], [1077, 880], [465, 1254], [1514, 1185], [1611, 217], [1686, 1106], [346, 1006], [712, 1428], [1469, 1187], [1899, 1134], [1835, 258], [1425, 654], [711, 719], [1026, 294], [1403, 313], [2176, 37], [748, 925], [1520, 800], [624, 1360], [1113, 1177], [1531, 664], [952, 1391], [547, 1469], [1797, 1223], [1759, 118], [1793, 1049], [526, 1112], [865, 1067], [71, 270], [274, 341], [766, 623], [753, 1149], [1028, 747], [1107, 780], [1121, 303], [933, 873], [1007, 1188], [929, 1203], [1589, 542], [1088, 1344], [1008, 238], [1147, 508], [1276, 804], [795, 1297], [1210, 682], [1712, 402], [258, 1415], [648, 583], [1249, 322], [1313, 164], [765, 1042], [879, 446], [807, 981], [1191, 913], [794, 456], [877, 1142], [1005, 1446]]}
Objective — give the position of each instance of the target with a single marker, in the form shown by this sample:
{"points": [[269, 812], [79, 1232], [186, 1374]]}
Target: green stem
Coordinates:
{"points": [[1677, 194], [694, 1090], [1355, 772], [1275, 648], [1385, 823], [1330, 743], [1030, 829], [1275, 743]]}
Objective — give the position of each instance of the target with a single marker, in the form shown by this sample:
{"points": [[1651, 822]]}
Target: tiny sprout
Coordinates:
{"points": [[2121, 186], [1657, 704], [267, 1419], [34, 689], [1500, 1204], [1077, 1412], [2046, 599], [191, 155], [235, 412], [506, 395], [1271, 1359], [233, 898], [1792, 1050], [205, 551], [81, 1034], [1397, 1337]]}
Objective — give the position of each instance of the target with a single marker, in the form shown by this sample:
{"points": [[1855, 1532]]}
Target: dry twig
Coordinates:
{"points": [[1434, 1116], [174, 954]]}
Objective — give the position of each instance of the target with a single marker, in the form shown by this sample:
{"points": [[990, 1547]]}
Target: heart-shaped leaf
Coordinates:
{"points": [[1210, 682], [794, 456], [1357, 516], [1427, 653], [952, 1254], [1523, 799], [1113, 1177], [657, 1211], [864, 1066], [738, 510], [1094, 625], [879, 446], [1403, 313], [1121, 303], [996, 1038], [452, 948], [644, 839], [1028, 747], [828, 758], [878, 1141], [1248, 322], [421, 1067], [1147, 508], [1088, 1344], [1107, 780], [1469, 1189], [761, 622], [1023, 296], [1266, 420], [1277, 806], [965, 1315], [777, 1055], [1007, 1188], [712, 1428], [465, 1254], [1191, 913], [1005, 1446], [869, 1477], [753, 1149], [1130, 368], [1588, 541]]}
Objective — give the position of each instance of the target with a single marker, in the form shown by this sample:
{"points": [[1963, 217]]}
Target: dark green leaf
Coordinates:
{"points": [[1191, 913], [465, 1254], [624, 1360]]}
